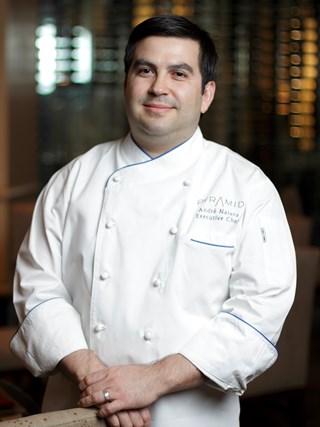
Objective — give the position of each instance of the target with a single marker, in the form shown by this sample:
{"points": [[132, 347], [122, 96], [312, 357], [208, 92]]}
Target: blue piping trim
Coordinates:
{"points": [[212, 244], [267, 339], [36, 306], [141, 149]]}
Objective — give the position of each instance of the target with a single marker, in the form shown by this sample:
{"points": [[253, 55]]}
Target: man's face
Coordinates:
{"points": [[163, 92]]}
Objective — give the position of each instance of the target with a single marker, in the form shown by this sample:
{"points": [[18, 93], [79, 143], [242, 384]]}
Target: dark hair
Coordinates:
{"points": [[176, 26]]}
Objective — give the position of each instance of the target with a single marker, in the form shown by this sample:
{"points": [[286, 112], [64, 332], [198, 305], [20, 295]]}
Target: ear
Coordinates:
{"points": [[207, 96]]}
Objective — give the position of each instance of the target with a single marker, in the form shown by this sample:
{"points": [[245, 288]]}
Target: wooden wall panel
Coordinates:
{"points": [[18, 120]]}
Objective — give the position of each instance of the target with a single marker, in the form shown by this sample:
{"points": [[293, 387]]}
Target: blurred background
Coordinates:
{"points": [[61, 83]]}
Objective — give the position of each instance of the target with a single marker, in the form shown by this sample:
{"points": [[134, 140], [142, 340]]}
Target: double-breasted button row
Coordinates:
{"points": [[157, 282], [147, 334]]}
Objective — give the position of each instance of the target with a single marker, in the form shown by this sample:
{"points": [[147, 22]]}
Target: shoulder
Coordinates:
{"points": [[88, 161], [215, 152], [96, 154], [235, 169], [76, 174]]}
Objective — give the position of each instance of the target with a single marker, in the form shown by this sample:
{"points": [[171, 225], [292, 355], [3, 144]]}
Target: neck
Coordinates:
{"points": [[155, 146], [156, 153]]}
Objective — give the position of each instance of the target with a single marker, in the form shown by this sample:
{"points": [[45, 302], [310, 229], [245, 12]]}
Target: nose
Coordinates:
{"points": [[159, 85]]}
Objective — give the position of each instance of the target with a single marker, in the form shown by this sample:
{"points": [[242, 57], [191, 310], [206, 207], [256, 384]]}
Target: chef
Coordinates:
{"points": [[159, 268]]}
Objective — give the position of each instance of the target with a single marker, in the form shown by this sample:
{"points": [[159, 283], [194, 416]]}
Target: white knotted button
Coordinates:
{"points": [[157, 283], [147, 336], [117, 178], [99, 327], [187, 183], [173, 230], [104, 275], [110, 224]]}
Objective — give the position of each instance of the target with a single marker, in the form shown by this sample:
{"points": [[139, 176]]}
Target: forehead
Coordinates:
{"points": [[161, 48]]}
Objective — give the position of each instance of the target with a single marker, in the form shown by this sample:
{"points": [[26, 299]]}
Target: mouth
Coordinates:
{"points": [[157, 108]]}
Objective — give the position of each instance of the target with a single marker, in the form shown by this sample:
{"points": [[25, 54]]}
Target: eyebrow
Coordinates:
{"points": [[178, 66]]}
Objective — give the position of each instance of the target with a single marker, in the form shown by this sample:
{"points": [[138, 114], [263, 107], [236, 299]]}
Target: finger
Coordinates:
{"points": [[110, 408], [113, 421], [94, 388], [92, 379], [125, 420], [94, 399], [136, 418], [145, 415]]}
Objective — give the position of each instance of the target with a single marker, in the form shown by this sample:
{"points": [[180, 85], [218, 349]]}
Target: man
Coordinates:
{"points": [[159, 268]]}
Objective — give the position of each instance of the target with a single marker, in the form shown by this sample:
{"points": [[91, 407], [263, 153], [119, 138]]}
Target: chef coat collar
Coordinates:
{"points": [[186, 151]]}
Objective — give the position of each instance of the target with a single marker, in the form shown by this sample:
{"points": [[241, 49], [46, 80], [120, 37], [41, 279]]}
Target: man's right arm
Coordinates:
{"points": [[80, 363]]}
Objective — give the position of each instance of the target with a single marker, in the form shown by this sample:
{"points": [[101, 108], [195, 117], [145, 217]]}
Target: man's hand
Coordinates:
{"points": [[137, 386], [129, 387], [82, 363]]}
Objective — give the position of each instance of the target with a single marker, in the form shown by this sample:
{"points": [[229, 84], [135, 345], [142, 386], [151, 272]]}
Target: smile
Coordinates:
{"points": [[157, 107]]}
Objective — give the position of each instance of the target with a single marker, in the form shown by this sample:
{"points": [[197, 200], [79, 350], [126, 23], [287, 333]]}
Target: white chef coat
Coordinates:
{"points": [[137, 258]]}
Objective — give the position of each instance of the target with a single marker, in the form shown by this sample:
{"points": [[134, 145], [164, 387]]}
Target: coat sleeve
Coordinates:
{"points": [[50, 327], [238, 344]]}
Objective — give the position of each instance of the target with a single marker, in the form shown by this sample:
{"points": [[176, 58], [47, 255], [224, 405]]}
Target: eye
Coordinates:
{"points": [[180, 75], [144, 71]]}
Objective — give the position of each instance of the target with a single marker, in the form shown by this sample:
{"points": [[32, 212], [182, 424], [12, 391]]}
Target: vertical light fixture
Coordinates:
{"points": [[46, 61], [297, 75]]}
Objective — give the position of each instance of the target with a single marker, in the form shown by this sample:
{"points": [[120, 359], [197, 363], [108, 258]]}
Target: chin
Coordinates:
{"points": [[157, 130]]}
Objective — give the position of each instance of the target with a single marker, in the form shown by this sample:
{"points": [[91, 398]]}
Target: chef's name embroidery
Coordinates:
{"points": [[214, 208]]}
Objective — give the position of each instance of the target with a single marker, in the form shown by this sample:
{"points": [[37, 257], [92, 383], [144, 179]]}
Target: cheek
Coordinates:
{"points": [[193, 103], [190, 96], [135, 91]]}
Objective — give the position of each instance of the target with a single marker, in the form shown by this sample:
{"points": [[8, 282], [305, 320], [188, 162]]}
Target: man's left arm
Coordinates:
{"points": [[239, 342]]}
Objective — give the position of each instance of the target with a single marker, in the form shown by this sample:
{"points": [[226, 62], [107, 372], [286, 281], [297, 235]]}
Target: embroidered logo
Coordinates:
{"points": [[219, 208]]}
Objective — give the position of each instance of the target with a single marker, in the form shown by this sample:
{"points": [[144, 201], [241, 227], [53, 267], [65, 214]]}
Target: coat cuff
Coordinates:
{"points": [[50, 331], [230, 352]]}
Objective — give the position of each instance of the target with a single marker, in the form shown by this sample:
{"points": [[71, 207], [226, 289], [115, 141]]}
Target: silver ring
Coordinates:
{"points": [[106, 395]]}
